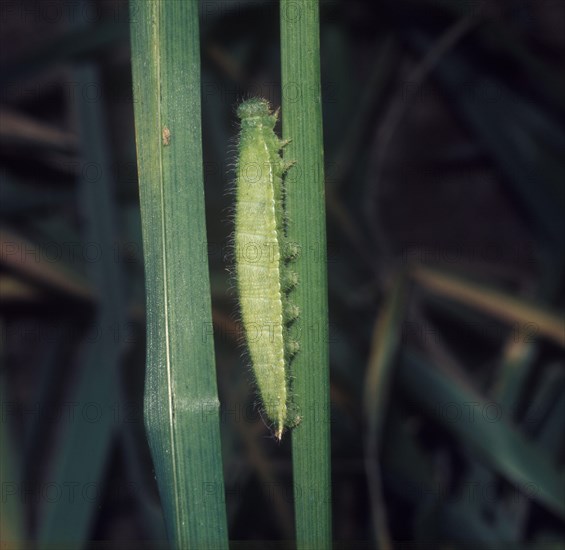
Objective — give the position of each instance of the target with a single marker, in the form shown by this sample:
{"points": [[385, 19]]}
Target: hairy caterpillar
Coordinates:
{"points": [[262, 257]]}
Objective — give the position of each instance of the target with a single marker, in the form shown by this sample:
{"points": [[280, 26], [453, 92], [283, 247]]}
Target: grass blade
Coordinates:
{"points": [[384, 348], [82, 459], [302, 122], [12, 518], [181, 401], [32, 263], [499, 442], [496, 303]]}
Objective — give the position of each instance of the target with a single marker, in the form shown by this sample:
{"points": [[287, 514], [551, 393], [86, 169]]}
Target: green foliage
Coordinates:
{"points": [[443, 136], [302, 122], [181, 401]]}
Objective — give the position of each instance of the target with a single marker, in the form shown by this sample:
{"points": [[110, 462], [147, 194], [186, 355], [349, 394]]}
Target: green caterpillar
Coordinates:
{"points": [[262, 257]]}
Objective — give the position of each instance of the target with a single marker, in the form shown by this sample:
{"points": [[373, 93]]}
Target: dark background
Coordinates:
{"points": [[444, 149]]}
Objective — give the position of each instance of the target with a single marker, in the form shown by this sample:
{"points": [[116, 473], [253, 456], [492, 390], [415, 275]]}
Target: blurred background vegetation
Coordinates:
{"points": [[444, 128]]}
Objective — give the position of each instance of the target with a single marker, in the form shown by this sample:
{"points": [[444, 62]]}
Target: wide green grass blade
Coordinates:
{"points": [[302, 122], [181, 401]]}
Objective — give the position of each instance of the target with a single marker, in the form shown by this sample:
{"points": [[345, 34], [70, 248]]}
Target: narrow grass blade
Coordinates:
{"points": [[384, 348], [483, 426], [78, 42], [12, 519], [14, 290], [495, 302], [302, 122], [33, 263], [16, 201], [87, 437], [181, 401], [385, 342], [24, 131]]}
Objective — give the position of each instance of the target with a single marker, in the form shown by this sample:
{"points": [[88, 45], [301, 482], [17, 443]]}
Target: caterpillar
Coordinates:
{"points": [[263, 258]]}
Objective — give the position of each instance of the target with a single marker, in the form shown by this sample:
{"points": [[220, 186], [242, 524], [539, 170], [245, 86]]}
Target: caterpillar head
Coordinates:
{"points": [[255, 112]]}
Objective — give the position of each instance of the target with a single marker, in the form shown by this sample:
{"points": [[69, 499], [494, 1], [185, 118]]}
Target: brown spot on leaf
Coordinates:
{"points": [[166, 136]]}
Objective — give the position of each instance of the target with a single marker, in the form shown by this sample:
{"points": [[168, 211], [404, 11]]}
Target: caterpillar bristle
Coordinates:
{"points": [[290, 280], [292, 311], [288, 165], [292, 347], [292, 251]]}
